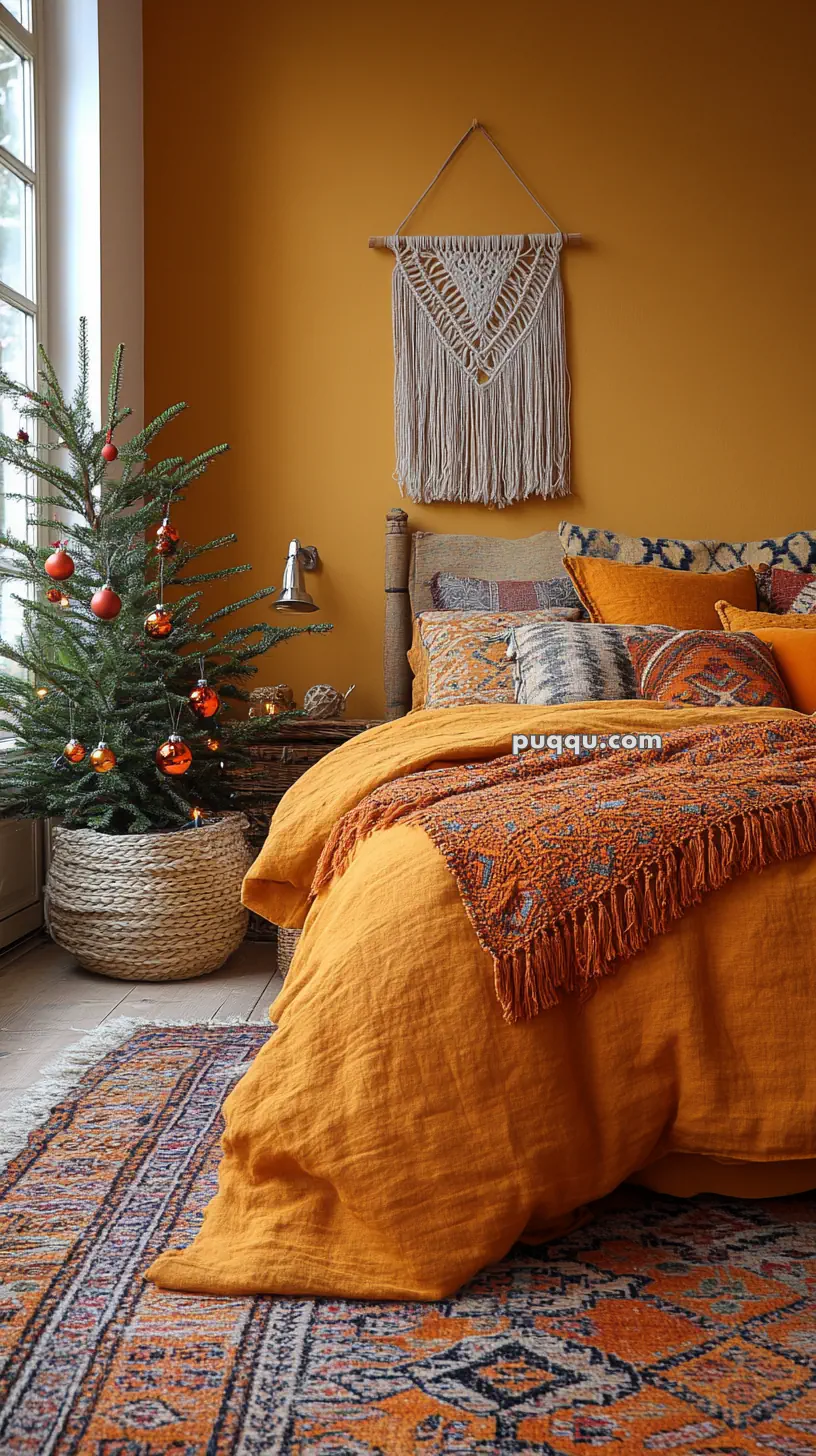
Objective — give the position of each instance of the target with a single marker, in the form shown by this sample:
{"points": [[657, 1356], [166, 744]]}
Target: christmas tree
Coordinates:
{"points": [[121, 691]]}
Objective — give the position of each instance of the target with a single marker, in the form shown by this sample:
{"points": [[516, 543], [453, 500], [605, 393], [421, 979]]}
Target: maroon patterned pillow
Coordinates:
{"points": [[785, 591], [706, 669], [471, 594]]}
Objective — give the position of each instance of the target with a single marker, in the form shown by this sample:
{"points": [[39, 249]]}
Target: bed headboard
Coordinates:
{"points": [[412, 558]]}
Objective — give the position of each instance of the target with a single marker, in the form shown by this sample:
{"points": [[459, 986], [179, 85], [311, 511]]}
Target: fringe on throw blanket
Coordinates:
{"points": [[571, 947], [481, 389], [579, 950]]}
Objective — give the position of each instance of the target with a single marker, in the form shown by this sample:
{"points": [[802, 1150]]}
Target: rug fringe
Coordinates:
{"points": [[34, 1106]]}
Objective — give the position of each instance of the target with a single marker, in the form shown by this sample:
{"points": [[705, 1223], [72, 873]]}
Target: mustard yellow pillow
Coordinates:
{"points": [[615, 592], [795, 657], [736, 620]]}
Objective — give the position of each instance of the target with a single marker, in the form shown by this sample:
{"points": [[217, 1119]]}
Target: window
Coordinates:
{"points": [[20, 261]]}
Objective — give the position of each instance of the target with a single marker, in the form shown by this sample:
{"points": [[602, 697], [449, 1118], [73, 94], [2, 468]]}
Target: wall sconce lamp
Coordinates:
{"points": [[293, 595]]}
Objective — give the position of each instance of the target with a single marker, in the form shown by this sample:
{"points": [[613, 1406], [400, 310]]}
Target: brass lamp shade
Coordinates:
{"points": [[293, 596]]}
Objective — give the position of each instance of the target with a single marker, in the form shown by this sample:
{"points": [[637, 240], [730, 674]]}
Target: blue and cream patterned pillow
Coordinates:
{"points": [[451, 593], [571, 662], [796, 552]]}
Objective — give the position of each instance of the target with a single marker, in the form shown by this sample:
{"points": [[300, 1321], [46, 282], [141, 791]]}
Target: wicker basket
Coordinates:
{"points": [[287, 945], [149, 907]]}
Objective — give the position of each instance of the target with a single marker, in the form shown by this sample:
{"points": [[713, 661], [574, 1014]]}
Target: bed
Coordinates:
{"points": [[398, 1132]]}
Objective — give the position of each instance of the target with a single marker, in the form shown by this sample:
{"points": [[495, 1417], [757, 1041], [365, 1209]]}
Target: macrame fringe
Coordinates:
{"points": [[491, 443], [578, 951]]}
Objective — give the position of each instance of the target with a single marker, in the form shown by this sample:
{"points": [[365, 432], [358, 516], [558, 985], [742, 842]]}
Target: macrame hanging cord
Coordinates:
{"points": [[481, 389]]}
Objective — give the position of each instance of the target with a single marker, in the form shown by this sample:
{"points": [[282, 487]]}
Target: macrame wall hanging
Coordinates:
{"points": [[481, 389]]}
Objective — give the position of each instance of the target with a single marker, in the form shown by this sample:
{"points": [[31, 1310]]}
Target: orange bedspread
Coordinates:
{"points": [[396, 1133]]}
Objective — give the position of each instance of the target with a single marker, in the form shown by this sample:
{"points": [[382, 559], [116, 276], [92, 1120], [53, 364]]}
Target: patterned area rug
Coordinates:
{"points": [[663, 1326]]}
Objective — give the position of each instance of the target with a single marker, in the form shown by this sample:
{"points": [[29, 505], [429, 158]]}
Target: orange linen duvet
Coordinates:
{"points": [[396, 1133]]}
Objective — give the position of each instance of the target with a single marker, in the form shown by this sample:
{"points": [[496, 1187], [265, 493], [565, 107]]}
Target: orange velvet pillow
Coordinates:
{"points": [[735, 620], [614, 592], [795, 657]]}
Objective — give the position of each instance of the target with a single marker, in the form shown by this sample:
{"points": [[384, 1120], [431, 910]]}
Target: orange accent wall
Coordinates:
{"points": [[678, 138]]}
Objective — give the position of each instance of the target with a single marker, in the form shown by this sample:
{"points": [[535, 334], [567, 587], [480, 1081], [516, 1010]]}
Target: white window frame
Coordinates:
{"points": [[21, 841], [30, 44], [28, 838]]}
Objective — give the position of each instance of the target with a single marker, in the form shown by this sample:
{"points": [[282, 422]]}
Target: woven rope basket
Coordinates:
{"points": [[149, 907], [287, 945]]}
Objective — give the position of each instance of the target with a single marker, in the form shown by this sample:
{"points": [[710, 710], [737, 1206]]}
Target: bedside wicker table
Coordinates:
{"points": [[260, 788]]}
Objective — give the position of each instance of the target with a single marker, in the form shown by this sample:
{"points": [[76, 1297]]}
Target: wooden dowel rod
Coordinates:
{"points": [[570, 239]]}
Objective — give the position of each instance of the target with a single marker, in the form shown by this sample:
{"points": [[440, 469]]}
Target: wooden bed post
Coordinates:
{"points": [[396, 671]]}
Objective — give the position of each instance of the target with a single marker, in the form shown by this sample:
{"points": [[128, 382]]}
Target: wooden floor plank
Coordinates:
{"points": [[22, 1058], [273, 988], [47, 1003]]}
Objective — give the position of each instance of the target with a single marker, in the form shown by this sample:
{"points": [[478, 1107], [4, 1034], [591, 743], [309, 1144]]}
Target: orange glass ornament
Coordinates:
{"points": [[159, 623], [105, 603], [74, 751], [174, 756], [167, 538], [103, 759], [53, 595], [204, 700], [59, 565]]}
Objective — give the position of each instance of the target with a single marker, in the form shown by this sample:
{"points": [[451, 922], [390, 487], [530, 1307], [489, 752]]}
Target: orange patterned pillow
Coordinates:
{"points": [[460, 658], [706, 669]]}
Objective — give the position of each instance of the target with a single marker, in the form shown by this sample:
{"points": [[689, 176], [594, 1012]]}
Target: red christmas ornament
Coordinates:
{"points": [[103, 759], [22, 436], [59, 565], [174, 756], [105, 604], [53, 595], [109, 450], [204, 700], [159, 623], [74, 751], [167, 538]]}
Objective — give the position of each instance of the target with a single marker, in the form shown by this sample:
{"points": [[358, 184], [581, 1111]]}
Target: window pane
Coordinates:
{"points": [[11, 624], [15, 232], [15, 103], [16, 359], [20, 9]]}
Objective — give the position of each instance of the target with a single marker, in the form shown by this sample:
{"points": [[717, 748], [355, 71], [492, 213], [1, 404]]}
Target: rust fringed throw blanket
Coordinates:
{"points": [[568, 865]]}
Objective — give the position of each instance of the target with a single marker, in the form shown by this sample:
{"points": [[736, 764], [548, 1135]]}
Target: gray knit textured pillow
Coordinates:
{"points": [[571, 662]]}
